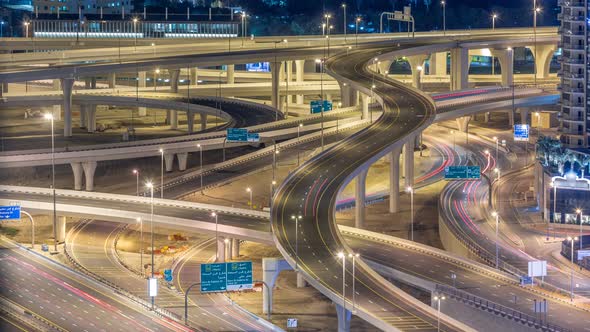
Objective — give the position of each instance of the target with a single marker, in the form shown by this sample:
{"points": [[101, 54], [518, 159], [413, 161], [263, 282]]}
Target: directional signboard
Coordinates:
{"points": [[221, 277], [239, 276], [316, 106], [462, 173], [213, 277], [521, 132], [9, 212], [237, 135], [253, 137]]}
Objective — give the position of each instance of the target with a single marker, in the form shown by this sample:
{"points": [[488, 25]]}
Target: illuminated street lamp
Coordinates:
{"points": [[296, 218], [357, 21], [444, 8], [343, 257], [487, 153], [497, 147], [150, 186], [27, 28], [273, 183], [49, 116], [298, 133], [572, 240], [438, 299], [454, 143], [156, 72], [494, 17], [410, 190], [354, 257], [136, 172], [162, 173], [579, 212], [249, 190], [497, 216], [135, 19], [344, 20]]}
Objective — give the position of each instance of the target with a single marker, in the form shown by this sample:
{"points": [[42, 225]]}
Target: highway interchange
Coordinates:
{"points": [[311, 191]]}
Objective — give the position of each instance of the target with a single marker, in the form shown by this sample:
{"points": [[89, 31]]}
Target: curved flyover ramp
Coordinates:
{"points": [[312, 189]]}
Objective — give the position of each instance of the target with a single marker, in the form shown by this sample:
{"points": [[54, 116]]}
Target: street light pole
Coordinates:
{"points": [[249, 190], [50, 117], [135, 33], [572, 240], [151, 187], [274, 162], [554, 185], [444, 7], [298, 132], [454, 143], [341, 255], [411, 191], [140, 245], [357, 21], [136, 172], [162, 174], [354, 257], [344, 21], [201, 164], [497, 216], [497, 141], [296, 218], [579, 212], [438, 299], [494, 17]]}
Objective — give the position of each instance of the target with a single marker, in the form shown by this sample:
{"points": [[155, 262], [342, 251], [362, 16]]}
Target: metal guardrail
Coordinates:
{"points": [[499, 309], [15, 311]]}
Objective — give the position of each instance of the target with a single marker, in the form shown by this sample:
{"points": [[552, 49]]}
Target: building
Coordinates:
{"points": [[575, 117], [84, 6]]}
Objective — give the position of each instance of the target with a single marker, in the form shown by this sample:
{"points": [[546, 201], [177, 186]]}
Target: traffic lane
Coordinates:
{"points": [[433, 269], [145, 208], [69, 300], [319, 232]]}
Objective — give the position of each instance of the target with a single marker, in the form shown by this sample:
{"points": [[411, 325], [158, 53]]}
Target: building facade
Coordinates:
{"points": [[575, 123]]}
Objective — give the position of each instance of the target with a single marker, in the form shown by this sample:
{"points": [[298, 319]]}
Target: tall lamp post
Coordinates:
{"points": [[343, 257], [135, 33], [572, 240], [140, 221], [438, 299], [354, 257], [497, 147], [275, 154], [497, 216], [136, 172], [579, 212], [357, 21], [444, 8], [27, 29], [162, 173], [536, 10], [49, 116], [298, 133], [494, 17], [296, 218], [249, 190], [554, 185], [410, 190], [151, 188], [344, 21]]}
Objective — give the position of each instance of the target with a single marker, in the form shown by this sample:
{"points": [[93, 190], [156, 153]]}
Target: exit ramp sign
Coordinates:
{"points": [[462, 173], [221, 277]]}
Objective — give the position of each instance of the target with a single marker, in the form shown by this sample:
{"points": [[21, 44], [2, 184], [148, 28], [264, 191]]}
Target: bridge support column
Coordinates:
{"points": [[438, 64], [486, 117], [543, 56], [56, 84], [417, 66], [394, 180], [60, 229], [524, 115], [360, 193], [169, 161], [89, 169], [289, 78], [511, 117], [142, 76], [67, 85], [301, 283], [299, 72], [235, 248], [173, 119], [220, 249], [193, 76], [77, 170], [203, 122], [174, 74], [463, 123], [459, 68], [271, 267], [83, 121], [344, 316], [275, 70], [506, 59], [344, 94], [112, 80], [91, 118], [182, 157], [190, 122], [409, 162], [230, 74], [365, 99], [88, 83]]}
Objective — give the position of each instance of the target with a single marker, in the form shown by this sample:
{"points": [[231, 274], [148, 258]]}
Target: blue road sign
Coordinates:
{"points": [[316, 106], [9, 212], [168, 275], [239, 276], [213, 277], [221, 277], [521, 132], [462, 173], [237, 135], [253, 137], [526, 280]]}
